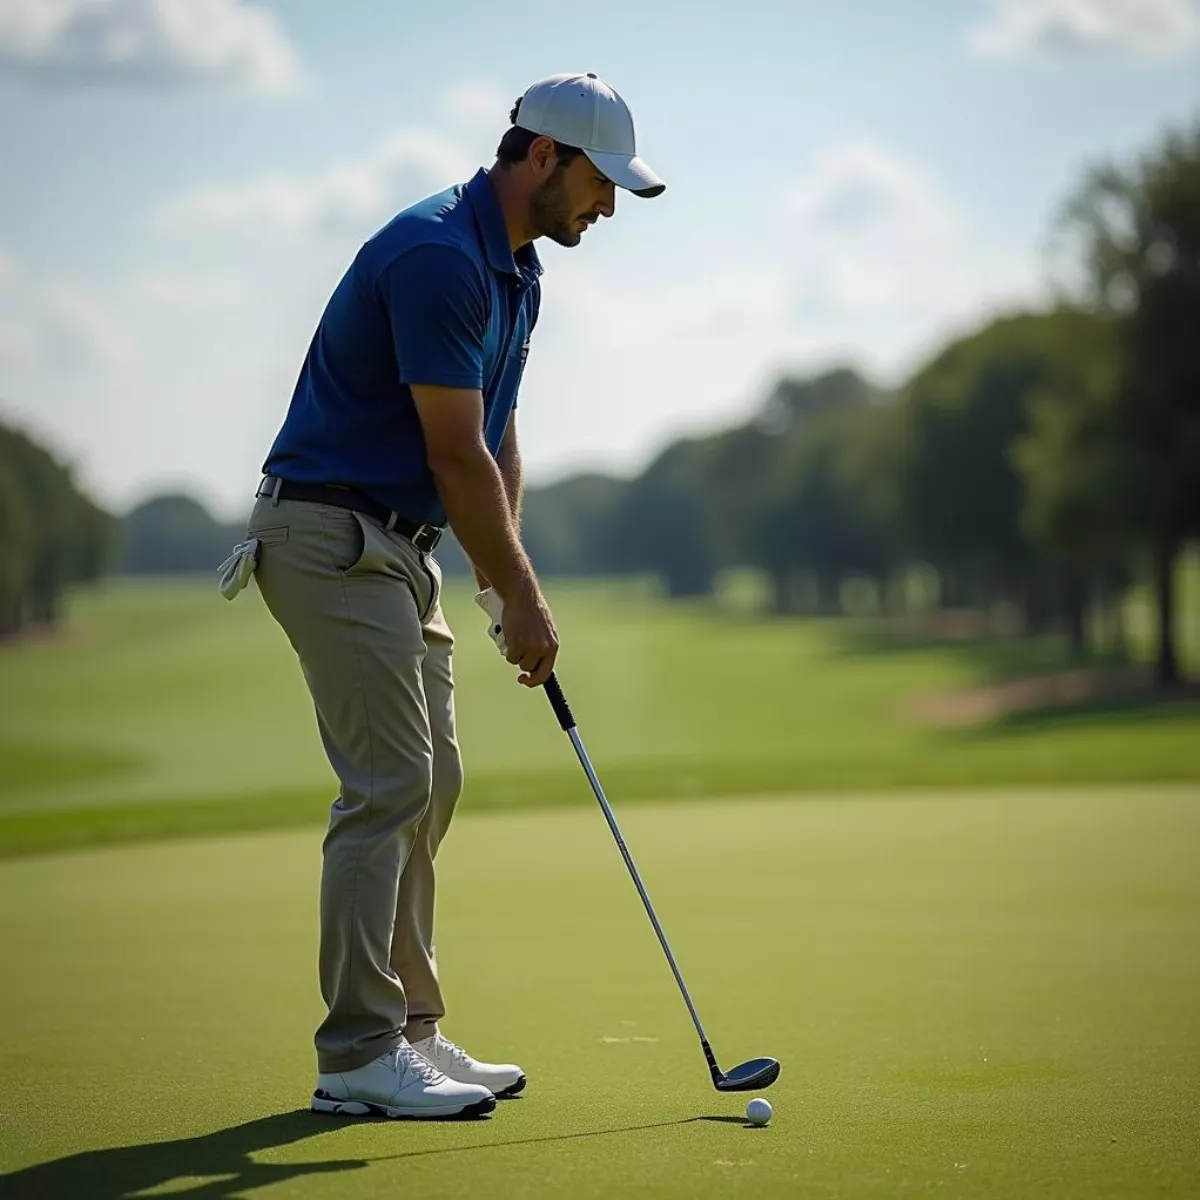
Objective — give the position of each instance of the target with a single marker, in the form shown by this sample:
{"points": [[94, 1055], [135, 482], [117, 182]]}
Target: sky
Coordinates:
{"points": [[183, 182]]}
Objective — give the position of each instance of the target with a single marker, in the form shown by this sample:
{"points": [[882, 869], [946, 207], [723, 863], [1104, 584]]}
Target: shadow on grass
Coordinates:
{"points": [[218, 1166], [32, 767], [220, 1162], [1151, 705], [562, 1137], [1022, 685], [990, 659]]}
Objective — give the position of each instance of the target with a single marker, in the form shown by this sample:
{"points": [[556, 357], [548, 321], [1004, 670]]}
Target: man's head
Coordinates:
{"points": [[570, 146]]}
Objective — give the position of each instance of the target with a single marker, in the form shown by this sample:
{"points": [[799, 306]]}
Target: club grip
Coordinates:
{"points": [[558, 702]]}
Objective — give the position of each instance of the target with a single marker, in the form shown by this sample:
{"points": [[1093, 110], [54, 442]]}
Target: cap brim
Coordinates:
{"points": [[629, 172]]}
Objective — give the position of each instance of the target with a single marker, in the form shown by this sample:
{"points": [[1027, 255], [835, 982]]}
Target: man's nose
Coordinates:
{"points": [[608, 201]]}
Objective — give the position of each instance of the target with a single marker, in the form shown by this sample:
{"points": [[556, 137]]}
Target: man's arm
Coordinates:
{"points": [[437, 300], [471, 485], [509, 463], [474, 493]]}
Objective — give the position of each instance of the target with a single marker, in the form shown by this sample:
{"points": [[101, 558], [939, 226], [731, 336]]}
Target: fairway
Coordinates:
{"points": [[972, 994], [163, 709]]}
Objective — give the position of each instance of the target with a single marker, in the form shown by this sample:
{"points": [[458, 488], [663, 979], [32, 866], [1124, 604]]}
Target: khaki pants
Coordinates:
{"points": [[362, 610]]}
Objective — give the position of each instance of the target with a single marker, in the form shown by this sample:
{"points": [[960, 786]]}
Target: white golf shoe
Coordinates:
{"points": [[401, 1083], [502, 1079]]}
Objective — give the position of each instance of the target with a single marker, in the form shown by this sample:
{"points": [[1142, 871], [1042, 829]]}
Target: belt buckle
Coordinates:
{"points": [[270, 485], [426, 538]]}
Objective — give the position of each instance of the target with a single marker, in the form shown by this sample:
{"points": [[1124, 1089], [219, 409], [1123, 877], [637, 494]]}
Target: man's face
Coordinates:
{"points": [[570, 200]]}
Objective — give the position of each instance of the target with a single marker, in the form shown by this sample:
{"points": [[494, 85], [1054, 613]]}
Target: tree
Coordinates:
{"points": [[961, 495], [174, 534], [827, 505], [96, 543], [796, 401], [567, 527], [51, 535], [737, 464], [748, 470], [16, 548], [1072, 461], [662, 522], [1140, 235]]}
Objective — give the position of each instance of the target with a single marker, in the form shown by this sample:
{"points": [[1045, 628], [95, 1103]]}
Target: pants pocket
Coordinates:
{"points": [[274, 536], [433, 572], [361, 549], [349, 539]]}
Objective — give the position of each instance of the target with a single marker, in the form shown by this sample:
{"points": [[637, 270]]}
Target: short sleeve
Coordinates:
{"points": [[437, 304]]}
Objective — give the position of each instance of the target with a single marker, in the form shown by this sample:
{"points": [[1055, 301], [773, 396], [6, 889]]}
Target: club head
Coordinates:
{"points": [[749, 1076]]}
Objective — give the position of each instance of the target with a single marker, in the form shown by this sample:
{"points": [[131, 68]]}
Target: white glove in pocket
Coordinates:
{"points": [[234, 573]]}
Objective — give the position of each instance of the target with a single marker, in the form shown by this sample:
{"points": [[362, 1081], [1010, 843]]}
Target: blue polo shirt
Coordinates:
{"points": [[435, 297]]}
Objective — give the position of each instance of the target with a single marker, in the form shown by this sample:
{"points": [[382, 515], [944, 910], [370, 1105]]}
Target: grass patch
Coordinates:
{"points": [[29, 767], [200, 722], [972, 994]]}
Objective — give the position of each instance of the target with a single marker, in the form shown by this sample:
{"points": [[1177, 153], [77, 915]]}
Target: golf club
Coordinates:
{"points": [[747, 1076]]}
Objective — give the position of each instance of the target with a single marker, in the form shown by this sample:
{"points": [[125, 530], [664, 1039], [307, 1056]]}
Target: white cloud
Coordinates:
{"points": [[174, 288], [352, 196], [860, 189], [1067, 28], [345, 196], [77, 331], [147, 41], [478, 102], [868, 234], [18, 343], [58, 326]]}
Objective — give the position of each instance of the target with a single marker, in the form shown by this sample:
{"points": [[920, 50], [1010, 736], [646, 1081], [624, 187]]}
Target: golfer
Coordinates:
{"points": [[401, 422]]}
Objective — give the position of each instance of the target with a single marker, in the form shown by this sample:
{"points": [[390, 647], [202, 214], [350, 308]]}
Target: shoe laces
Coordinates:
{"points": [[457, 1054], [414, 1062]]}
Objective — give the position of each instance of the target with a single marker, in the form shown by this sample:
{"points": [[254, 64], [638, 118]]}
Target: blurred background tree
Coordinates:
{"points": [[1139, 231], [51, 535], [174, 534]]}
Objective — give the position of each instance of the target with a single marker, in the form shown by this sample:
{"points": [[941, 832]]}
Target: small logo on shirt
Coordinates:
{"points": [[525, 350]]}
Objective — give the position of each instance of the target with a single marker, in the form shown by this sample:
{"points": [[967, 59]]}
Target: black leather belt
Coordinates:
{"points": [[423, 537]]}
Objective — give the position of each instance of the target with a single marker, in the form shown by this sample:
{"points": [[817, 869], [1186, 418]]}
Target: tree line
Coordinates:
{"points": [[51, 534], [1043, 460]]}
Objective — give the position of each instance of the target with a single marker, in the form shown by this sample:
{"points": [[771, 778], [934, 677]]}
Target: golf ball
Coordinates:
{"points": [[758, 1112]]}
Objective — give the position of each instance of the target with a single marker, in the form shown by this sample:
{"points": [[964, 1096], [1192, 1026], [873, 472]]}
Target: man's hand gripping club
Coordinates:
{"points": [[523, 632]]}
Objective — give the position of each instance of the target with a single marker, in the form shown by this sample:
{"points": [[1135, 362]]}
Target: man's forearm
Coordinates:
{"points": [[476, 498], [508, 461]]}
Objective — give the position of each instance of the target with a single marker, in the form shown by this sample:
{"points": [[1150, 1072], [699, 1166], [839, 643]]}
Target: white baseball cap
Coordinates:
{"points": [[583, 111]]}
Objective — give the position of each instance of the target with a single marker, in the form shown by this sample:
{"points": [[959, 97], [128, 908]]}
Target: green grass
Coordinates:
{"points": [[973, 994], [163, 710], [30, 768]]}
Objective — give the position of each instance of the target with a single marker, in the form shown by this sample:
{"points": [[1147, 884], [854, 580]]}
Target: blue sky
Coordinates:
{"points": [[185, 180]]}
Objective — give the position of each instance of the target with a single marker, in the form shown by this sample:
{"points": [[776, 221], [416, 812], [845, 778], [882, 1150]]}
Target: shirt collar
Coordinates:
{"points": [[486, 207]]}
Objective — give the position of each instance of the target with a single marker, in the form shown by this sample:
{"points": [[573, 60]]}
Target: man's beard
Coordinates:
{"points": [[550, 214]]}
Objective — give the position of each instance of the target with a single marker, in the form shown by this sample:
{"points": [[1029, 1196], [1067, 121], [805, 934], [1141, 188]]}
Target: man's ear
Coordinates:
{"points": [[542, 157]]}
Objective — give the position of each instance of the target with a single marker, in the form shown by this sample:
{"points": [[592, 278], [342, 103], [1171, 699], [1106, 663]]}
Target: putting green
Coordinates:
{"points": [[978, 994]]}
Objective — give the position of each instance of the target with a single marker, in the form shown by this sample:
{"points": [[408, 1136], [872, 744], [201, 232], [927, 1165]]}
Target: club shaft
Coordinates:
{"points": [[585, 762]]}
